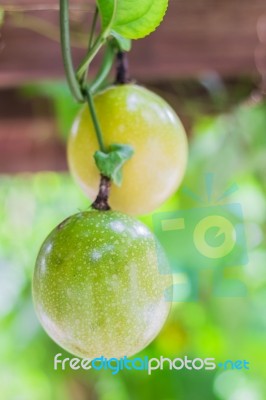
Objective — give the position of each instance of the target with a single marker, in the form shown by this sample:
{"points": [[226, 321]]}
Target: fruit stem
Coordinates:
{"points": [[95, 121], [101, 202], [122, 74]]}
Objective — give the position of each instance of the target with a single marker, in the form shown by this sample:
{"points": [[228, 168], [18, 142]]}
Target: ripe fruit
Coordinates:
{"points": [[131, 114], [99, 285]]}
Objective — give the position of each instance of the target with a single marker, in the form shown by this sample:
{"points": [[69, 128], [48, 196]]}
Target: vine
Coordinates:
{"points": [[115, 35]]}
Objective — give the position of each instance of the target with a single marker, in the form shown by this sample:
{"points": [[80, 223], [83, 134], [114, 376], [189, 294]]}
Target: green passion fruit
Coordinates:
{"points": [[99, 283]]}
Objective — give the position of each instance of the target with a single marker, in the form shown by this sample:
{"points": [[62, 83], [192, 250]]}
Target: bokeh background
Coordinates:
{"points": [[209, 61]]}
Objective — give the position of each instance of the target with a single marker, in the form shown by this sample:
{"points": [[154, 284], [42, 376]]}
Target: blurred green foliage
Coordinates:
{"points": [[65, 109], [230, 146]]}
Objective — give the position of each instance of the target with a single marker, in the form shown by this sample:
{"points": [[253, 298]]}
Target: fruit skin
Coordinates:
{"points": [[131, 114], [97, 287]]}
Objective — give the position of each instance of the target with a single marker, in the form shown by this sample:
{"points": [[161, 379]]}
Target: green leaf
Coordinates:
{"points": [[133, 19], [110, 164], [137, 29], [121, 42], [125, 10]]}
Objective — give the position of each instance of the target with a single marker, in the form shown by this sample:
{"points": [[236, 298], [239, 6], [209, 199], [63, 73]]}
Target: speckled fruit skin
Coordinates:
{"points": [[98, 287], [131, 114]]}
